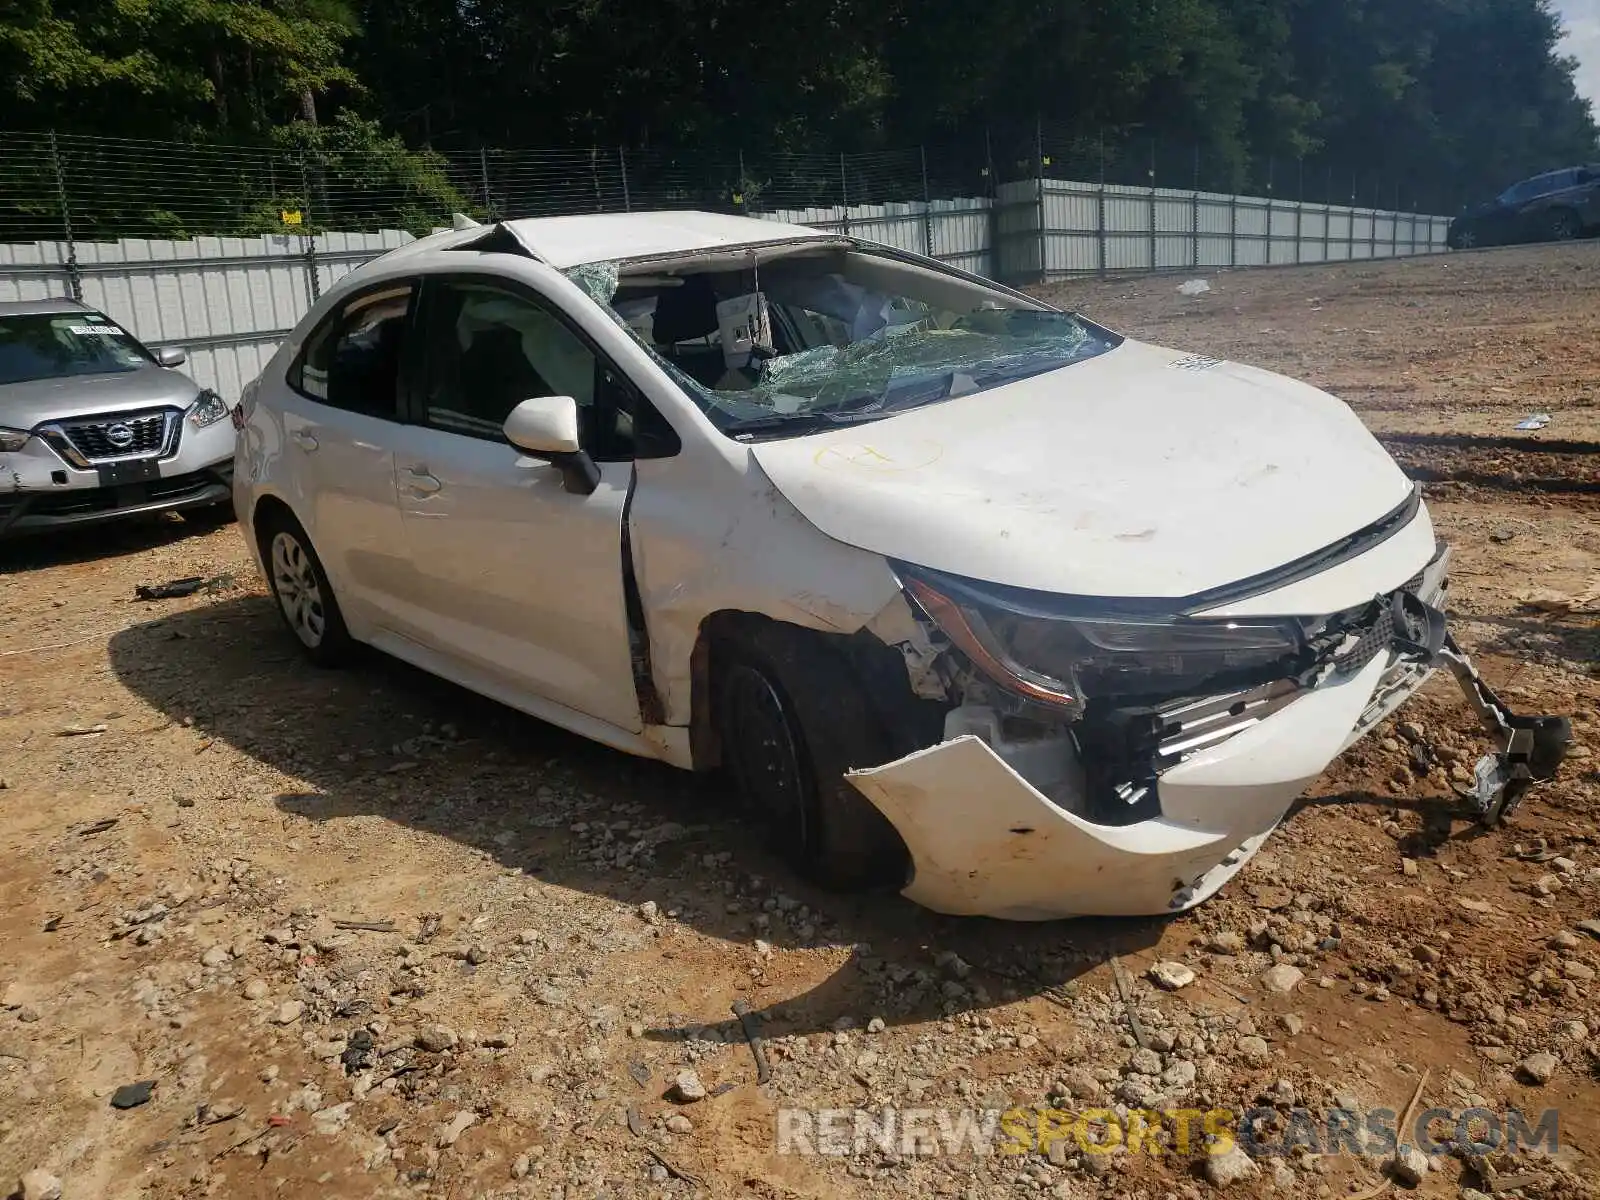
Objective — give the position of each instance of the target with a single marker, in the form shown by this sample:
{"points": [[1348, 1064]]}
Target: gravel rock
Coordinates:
{"points": [[1409, 1165], [256, 989], [39, 1184], [330, 1121], [452, 1129], [1255, 1051], [1538, 1068], [1171, 975], [678, 1123], [1180, 1074], [1565, 939], [1282, 978], [1226, 942], [1145, 1062], [687, 1088], [132, 1095], [1230, 1167], [216, 956], [436, 1039], [289, 1012]]}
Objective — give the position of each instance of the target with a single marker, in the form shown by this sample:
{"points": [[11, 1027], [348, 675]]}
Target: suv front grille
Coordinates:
{"points": [[113, 437]]}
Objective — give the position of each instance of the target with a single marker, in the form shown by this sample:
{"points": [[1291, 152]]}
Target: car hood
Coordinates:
{"points": [[1141, 472], [24, 405]]}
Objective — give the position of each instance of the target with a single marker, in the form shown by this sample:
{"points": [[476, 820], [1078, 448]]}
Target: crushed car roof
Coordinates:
{"points": [[572, 241], [610, 237]]}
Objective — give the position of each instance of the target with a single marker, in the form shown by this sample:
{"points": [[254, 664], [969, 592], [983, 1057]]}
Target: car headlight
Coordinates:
{"points": [[13, 439], [1062, 651], [208, 409]]}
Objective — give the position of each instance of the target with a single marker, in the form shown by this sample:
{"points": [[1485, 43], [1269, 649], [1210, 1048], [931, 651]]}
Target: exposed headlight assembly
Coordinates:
{"points": [[1061, 651], [208, 409], [13, 439]]}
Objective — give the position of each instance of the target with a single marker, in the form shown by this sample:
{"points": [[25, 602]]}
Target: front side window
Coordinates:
{"points": [[816, 336], [60, 345], [352, 360], [488, 348]]}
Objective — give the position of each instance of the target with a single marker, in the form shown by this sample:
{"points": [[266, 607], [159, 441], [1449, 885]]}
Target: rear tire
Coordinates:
{"points": [[792, 718], [1564, 225], [304, 596]]}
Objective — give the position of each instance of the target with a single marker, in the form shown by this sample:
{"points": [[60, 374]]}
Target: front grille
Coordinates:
{"points": [[138, 434], [1190, 726], [1375, 640]]}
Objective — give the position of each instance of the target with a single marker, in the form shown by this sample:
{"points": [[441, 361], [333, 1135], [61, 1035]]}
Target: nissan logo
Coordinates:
{"points": [[120, 435]]}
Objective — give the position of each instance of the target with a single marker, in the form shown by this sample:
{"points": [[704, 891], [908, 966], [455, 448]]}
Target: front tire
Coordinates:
{"points": [[304, 596], [792, 718]]}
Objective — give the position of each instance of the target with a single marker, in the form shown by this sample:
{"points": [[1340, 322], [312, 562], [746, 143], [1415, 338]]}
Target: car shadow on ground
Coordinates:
{"points": [[90, 543], [382, 738]]}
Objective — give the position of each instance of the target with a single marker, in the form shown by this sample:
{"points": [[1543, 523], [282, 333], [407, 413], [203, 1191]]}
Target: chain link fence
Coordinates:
{"points": [[72, 188]]}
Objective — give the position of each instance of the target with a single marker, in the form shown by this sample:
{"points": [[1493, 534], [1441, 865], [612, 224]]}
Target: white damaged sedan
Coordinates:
{"points": [[969, 596]]}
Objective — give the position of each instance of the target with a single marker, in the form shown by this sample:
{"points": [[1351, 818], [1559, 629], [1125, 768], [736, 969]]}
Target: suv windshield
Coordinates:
{"points": [[809, 338], [57, 345]]}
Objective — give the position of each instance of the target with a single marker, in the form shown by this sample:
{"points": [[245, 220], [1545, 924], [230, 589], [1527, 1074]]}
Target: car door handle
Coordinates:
{"points": [[422, 483], [305, 440]]}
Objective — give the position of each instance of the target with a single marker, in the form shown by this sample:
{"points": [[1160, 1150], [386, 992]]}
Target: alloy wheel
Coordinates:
{"points": [[294, 579]]}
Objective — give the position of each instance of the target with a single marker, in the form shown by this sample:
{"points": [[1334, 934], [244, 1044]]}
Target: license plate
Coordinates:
{"points": [[138, 470]]}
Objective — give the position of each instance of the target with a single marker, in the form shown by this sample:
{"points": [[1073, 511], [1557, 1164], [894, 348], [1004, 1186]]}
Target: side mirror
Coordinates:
{"points": [[547, 427], [172, 356]]}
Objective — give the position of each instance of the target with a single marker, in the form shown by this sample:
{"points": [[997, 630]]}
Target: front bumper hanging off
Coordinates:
{"points": [[984, 841]]}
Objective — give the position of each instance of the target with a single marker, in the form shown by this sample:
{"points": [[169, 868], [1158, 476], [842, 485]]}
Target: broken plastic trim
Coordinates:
{"points": [[1528, 750]]}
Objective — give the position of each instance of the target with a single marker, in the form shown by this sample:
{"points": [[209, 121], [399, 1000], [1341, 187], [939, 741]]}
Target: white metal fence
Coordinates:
{"points": [[1052, 229], [230, 301]]}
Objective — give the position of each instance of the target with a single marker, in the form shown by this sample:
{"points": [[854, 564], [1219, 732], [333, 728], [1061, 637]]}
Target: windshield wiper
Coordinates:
{"points": [[799, 422]]}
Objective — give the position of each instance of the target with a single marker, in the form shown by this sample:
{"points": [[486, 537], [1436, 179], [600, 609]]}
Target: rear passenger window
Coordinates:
{"points": [[352, 360]]}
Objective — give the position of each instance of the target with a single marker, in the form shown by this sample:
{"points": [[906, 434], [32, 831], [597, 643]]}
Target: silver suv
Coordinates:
{"points": [[95, 426]]}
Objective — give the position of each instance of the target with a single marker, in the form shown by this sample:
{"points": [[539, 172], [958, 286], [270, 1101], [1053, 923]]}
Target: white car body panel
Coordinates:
{"points": [[1138, 473], [1117, 476]]}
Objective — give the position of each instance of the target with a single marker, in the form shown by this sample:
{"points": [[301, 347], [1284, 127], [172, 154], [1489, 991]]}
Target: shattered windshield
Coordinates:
{"points": [[810, 339]]}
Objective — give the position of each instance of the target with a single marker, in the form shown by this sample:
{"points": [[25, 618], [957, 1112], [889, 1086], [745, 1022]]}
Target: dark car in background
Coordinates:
{"points": [[1555, 206]]}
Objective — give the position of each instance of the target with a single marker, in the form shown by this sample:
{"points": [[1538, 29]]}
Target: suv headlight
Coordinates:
{"points": [[13, 439], [208, 409], [1061, 651]]}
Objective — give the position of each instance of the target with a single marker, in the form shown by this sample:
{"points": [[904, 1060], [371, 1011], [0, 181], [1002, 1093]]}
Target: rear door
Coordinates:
{"points": [[342, 419]]}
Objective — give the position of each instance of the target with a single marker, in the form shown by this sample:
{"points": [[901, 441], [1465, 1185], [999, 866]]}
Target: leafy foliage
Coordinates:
{"points": [[1468, 93]]}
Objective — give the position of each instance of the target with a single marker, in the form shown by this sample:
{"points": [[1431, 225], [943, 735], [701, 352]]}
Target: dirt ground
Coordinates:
{"points": [[192, 819]]}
